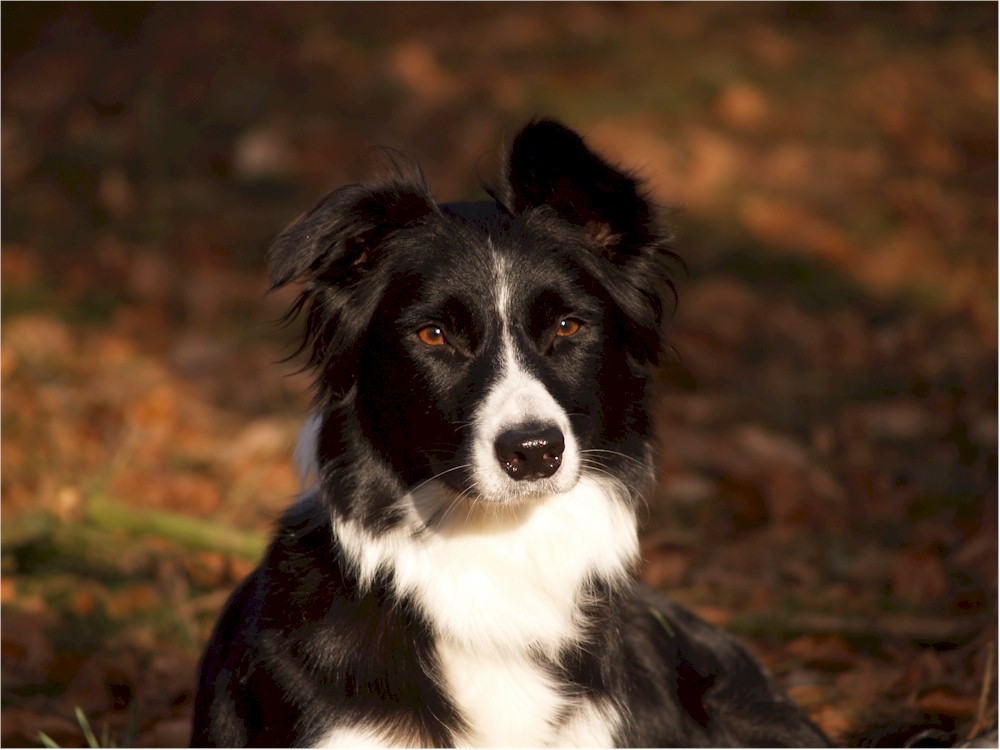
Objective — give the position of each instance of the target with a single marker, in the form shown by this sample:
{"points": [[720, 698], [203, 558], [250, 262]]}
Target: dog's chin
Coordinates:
{"points": [[524, 492], [497, 489], [448, 498], [494, 487]]}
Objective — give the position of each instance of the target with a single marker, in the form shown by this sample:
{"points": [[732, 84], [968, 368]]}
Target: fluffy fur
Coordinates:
{"points": [[462, 571]]}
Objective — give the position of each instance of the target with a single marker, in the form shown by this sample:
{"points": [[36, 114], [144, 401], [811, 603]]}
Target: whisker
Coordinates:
{"points": [[614, 453], [602, 471], [460, 499], [441, 516], [440, 474], [639, 498]]}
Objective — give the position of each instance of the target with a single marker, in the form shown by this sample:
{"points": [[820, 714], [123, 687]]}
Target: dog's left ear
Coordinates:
{"points": [[549, 164]]}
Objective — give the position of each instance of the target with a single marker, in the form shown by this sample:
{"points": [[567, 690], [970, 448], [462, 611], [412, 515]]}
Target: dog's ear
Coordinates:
{"points": [[549, 165], [331, 249], [340, 237]]}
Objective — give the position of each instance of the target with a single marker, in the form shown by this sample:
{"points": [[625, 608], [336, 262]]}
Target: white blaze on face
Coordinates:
{"points": [[517, 399]]}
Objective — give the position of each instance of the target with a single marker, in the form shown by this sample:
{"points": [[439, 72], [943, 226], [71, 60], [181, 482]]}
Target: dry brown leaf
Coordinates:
{"points": [[742, 106], [948, 702], [919, 578]]}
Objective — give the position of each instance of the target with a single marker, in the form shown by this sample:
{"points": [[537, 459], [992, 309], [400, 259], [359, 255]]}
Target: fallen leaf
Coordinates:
{"points": [[919, 578], [948, 702], [742, 106]]}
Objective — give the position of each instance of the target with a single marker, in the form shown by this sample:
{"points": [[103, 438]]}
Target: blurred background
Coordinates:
{"points": [[829, 425]]}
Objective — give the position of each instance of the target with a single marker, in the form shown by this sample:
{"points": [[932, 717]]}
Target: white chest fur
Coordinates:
{"points": [[500, 587], [511, 702]]}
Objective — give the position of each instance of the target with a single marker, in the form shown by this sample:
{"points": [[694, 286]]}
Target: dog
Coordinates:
{"points": [[462, 571]]}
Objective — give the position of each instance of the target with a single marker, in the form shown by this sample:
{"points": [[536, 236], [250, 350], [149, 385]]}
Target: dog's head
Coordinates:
{"points": [[501, 347]]}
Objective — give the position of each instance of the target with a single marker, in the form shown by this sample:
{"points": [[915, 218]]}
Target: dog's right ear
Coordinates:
{"points": [[340, 237], [330, 249]]}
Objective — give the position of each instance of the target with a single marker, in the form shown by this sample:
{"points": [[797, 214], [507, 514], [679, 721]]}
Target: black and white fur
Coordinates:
{"points": [[462, 572]]}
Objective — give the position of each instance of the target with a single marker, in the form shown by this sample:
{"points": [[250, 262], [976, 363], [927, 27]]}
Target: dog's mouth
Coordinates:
{"points": [[447, 505]]}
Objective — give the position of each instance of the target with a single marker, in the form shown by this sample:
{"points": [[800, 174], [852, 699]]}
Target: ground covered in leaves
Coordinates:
{"points": [[829, 422]]}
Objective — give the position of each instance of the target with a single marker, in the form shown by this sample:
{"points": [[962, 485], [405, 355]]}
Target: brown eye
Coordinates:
{"points": [[431, 335], [567, 327]]}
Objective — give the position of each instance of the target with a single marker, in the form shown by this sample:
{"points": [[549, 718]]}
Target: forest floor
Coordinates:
{"points": [[828, 486]]}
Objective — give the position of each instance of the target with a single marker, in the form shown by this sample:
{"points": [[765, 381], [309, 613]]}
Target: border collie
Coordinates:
{"points": [[462, 572]]}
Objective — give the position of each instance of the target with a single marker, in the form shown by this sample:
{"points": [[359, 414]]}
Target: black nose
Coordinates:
{"points": [[530, 452]]}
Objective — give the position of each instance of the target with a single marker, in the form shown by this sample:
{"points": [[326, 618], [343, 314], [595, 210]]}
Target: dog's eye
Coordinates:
{"points": [[568, 327], [431, 335]]}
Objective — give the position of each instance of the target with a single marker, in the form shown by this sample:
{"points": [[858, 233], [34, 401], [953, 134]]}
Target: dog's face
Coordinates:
{"points": [[481, 362], [501, 348]]}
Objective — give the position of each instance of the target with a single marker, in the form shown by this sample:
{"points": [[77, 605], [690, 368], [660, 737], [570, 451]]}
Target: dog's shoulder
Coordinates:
{"points": [[715, 686], [257, 624], [300, 654], [224, 665]]}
